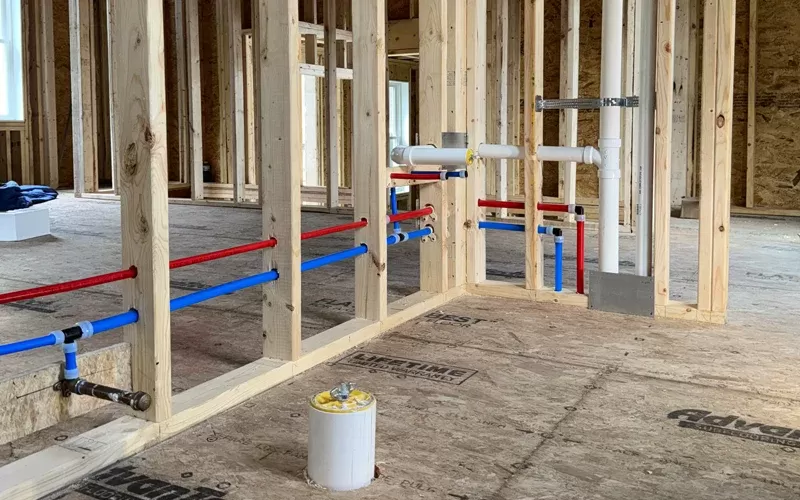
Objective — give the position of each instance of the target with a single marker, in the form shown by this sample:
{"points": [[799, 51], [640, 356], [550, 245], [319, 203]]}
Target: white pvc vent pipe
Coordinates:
{"points": [[587, 155], [431, 155], [341, 438], [610, 142], [501, 152]]}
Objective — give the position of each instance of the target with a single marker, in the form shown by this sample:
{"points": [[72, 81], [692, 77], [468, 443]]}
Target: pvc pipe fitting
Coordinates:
{"points": [[501, 152], [430, 155], [587, 155], [71, 360]]}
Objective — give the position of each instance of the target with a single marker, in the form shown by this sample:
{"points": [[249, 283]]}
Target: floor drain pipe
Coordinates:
{"points": [[610, 141], [341, 438]]}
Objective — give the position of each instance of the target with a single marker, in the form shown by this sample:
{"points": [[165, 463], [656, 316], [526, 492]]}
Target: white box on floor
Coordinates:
{"points": [[24, 224]]}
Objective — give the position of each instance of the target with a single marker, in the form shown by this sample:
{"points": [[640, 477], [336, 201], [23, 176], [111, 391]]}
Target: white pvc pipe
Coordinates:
{"points": [[610, 141], [430, 155], [341, 441], [587, 155], [501, 152]]}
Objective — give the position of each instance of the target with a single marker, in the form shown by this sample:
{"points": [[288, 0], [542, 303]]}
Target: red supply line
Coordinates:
{"points": [[219, 254], [417, 177], [580, 250], [102, 279], [316, 233], [413, 214], [67, 286], [552, 207], [501, 204]]}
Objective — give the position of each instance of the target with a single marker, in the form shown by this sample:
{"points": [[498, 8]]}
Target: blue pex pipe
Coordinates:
{"points": [[71, 361], [502, 226], [334, 257], [28, 344], [393, 203], [559, 270], [117, 321], [394, 239], [223, 289]]}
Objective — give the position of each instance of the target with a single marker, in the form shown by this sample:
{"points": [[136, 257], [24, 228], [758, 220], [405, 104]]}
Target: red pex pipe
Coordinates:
{"points": [[414, 214], [68, 286], [416, 177], [316, 233], [580, 261], [501, 204], [219, 254], [552, 207]]}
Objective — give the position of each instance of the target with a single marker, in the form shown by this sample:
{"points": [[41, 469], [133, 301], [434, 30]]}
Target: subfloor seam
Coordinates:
{"points": [[550, 435]]}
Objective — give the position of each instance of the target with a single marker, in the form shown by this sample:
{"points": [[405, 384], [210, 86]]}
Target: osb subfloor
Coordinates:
{"points": [[560, 406], [565, 403]]}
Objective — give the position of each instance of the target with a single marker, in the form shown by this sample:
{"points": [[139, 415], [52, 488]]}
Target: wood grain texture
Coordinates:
{"points": [[568, 118], [278, 139], [476, 131], [456, 122], [82, 82], [433, 99], [140, 146], [707, 155], [534, 85], [195, 132], [331, 104], [723, 145], [369, 158], [662, 166]]}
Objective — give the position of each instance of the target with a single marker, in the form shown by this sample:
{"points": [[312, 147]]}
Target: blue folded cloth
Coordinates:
{"points": [[15, 197]]}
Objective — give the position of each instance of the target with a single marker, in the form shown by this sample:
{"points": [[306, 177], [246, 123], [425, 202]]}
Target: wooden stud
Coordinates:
{"points": [[680, 106], [500, 96], [278, 139], [707, 153], [433, 98], [195, 145], [183, 91], [691, 97], [249, 113], [630, 85], [140, 144], [310, 16], [723, 145], [662, 173], [534, 85], [369, 159], [514, 81], [231, 65], [82, 79], [568, 118], [476, 128], [456, 122], [331, 115], [751, 103]]}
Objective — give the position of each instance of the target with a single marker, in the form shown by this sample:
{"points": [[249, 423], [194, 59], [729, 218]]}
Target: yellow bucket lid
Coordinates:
{"points": [[343, 398]]}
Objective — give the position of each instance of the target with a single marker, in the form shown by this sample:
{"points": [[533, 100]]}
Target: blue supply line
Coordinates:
{"points": [[502, 226], [393, 203], [332, 258]]}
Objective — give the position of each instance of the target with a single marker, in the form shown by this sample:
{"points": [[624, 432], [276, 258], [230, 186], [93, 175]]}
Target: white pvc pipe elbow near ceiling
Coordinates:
{"points": [[610, 142]]}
